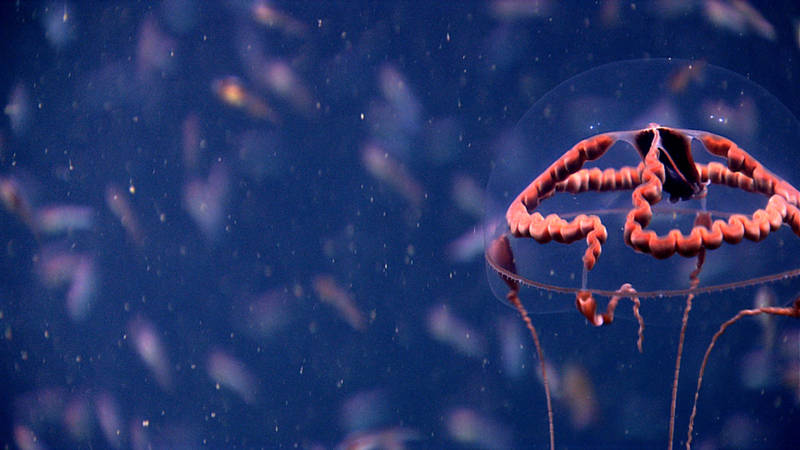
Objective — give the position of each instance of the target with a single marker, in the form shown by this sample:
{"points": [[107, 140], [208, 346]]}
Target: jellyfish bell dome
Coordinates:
{"points": [[643, 103]]}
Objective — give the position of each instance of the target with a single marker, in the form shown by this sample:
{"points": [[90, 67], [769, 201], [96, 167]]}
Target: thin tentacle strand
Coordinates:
{"points": [[500, 251], [587, 306], [702, 220], [789, 311]]}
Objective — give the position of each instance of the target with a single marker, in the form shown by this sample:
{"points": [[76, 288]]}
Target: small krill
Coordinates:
{"points": [[686, 75], [59, 24], [19, 110], [263, 315], [117, 201], [77, 418], [394, 438], [229, 372], [148, 345], [386, 169], [469, 245], [365, 410], [82, 290], [283, 82], [739, 17], [453, 331], [231, 91], [265, 13], [108, 414], [514, 10], [16, 200], [59, 219], [154, 49], [26, 439], [765, 297], [468, 195], [205, 200], [57, 268], [579, 393], [397, 92], [470, 427], [513, 353], [329, 291]]}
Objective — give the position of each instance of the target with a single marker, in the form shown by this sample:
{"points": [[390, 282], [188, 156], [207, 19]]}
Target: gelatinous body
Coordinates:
{"points": [[583, 212]]}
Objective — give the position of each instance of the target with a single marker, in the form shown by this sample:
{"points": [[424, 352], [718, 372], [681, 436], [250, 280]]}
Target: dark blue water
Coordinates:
{"points": [[230, 225]]}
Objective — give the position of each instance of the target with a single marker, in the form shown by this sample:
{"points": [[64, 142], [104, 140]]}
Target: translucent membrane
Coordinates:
{"points": [[632, 95]]}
